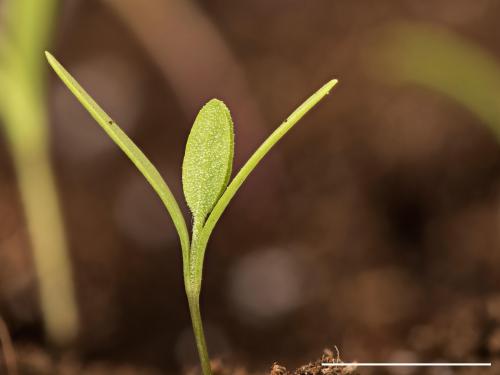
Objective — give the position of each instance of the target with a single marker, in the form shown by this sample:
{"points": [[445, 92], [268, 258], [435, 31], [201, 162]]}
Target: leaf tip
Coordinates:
{"points": [[216, 104], [52, 60], [215, 101], [49, 56], [330, 84]]}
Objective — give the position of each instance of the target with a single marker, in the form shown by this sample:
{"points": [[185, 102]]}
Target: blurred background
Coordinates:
{"points": [[372, 226]]}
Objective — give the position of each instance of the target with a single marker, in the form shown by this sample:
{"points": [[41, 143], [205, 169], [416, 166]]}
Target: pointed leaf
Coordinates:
{"points": [[250, 165], [208, 158], [130, 149]]}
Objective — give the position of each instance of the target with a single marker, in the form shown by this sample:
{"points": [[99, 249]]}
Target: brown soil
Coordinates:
{"points": [[34, 361], [314, 368]]}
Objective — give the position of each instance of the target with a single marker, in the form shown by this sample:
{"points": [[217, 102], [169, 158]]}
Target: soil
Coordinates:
{"points": [[33, 361]]}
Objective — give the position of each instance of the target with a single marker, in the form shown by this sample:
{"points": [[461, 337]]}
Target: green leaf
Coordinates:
{"points": [[208, 159], [456, 67], [245, 171], [131, 150]]}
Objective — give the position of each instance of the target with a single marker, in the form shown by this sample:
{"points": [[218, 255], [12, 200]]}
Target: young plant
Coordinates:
{"points": [[206, 171]]}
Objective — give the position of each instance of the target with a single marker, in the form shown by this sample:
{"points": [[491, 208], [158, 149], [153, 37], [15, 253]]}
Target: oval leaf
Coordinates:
{"points": [[208, 159], [257, 156]]}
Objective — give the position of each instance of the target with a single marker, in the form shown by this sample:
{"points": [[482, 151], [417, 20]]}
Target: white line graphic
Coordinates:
{"points": [[408, 364]]}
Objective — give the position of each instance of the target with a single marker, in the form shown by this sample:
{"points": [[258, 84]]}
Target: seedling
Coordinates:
{"points": [[206, 171]]}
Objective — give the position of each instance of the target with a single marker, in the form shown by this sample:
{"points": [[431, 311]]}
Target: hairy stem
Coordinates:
{"points": [[199, 334], [193, 289]]}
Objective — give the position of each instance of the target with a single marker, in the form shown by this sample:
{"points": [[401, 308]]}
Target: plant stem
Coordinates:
{"points": [[51, 259], [193, 288], [199, 335], [26, 131]]}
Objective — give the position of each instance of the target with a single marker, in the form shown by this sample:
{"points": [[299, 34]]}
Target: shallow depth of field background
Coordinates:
{"points": [[373, 226]]}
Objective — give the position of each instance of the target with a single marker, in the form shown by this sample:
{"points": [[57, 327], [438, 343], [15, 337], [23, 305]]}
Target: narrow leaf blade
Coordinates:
{"points": [[255, 159], [208, 158], [142, 163]]}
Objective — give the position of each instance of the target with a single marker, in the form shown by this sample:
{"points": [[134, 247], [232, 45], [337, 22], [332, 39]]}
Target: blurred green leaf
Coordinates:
{"points": [[29, 27], [441, 60], [208, 158]]}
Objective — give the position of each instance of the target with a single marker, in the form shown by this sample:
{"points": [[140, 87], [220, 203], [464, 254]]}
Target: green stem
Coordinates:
{"points": [[193, 282], [52, 263], [199, 335], [193, 288], [26, 131]]}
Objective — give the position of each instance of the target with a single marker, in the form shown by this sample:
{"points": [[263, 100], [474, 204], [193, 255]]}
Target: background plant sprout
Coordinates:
{"points": [[27, 31], [206, 171], [440, 60]]}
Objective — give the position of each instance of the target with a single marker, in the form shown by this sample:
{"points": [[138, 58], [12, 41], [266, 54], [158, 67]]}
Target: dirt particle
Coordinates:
{"points": [[278, 370], [316, 368]]}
